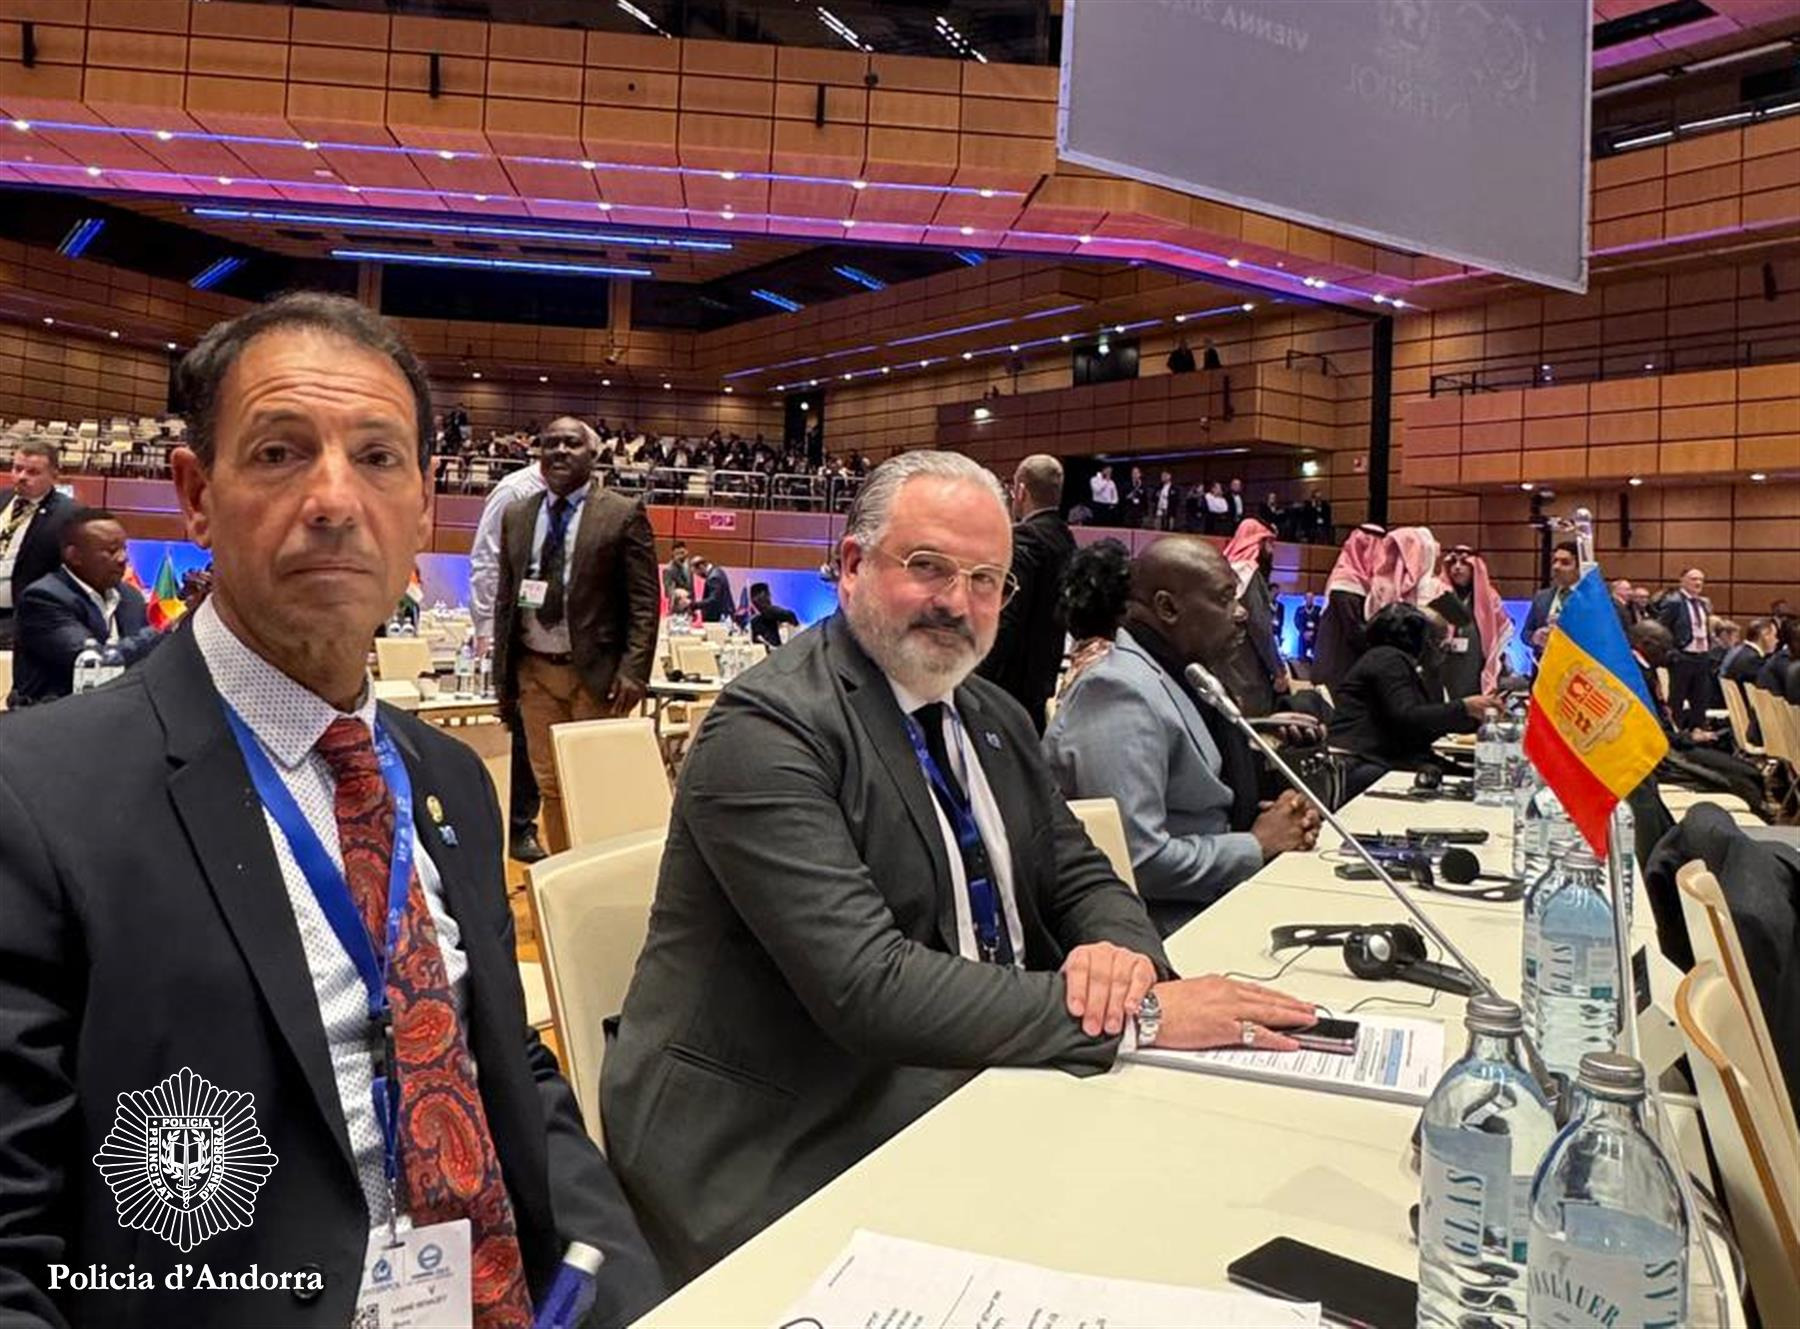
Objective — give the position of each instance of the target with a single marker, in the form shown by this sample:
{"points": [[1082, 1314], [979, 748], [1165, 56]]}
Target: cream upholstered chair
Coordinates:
{"points": [[612, 778], [1100, 818], [696, 656], [1739, 711], [5, 677], [1759, 1169], [402, 658], [1713, 933], [591, 906]]}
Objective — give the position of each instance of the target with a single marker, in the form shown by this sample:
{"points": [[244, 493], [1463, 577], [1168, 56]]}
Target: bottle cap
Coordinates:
{"points": [[1493, 1015], [1611, 1075], [586, 1258]]}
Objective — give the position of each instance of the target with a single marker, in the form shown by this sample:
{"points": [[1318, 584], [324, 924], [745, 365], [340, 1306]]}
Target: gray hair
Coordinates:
{"points": [[874, 503]]}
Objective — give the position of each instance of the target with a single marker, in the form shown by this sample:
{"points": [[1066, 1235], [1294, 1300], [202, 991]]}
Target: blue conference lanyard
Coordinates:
{"points": [[332, 892], [984, 900]]}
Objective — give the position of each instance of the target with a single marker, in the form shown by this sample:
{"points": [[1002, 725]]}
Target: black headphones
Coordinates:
{"points": [[1377, 952]]}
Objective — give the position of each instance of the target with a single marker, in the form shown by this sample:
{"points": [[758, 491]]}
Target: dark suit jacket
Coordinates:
{"points": [[1028, 648], [1538, 616], [1674, 616], [1741, 663], [40, 552], [56, 619], [151, 932], [715, 596], [612, 601], [799, 998], [1384, 713]]}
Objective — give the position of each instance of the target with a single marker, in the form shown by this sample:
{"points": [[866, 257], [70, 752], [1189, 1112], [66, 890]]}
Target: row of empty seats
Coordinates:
{"points": [[119, 445]]}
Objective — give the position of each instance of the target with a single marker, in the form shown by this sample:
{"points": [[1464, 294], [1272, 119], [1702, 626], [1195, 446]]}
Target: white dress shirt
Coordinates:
{"points": [[1105, 491], [552, 640], [288, 721], [1698, 608], [484, 554], [987, 820]]}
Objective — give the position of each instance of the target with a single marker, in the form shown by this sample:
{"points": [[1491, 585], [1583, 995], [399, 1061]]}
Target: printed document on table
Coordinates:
{"points": [[1398, 1060], [882, 1282]]}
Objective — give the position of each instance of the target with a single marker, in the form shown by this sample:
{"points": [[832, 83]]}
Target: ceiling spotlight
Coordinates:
{"points": [[1234, 262], [728, 215], [1068, 337], [1649, 364], [983, 413], [1119, 328], [1635, 481], [859, 184], [923, 363], [163, 136], [728, 389], [1084, 239], [309, 144], [849, 222], [48, 321], [1757, 477], [1527, 486], [21, 125], [543, 378], [354, 189], [224, 179], [587, 165], [1399, 303], [93, 170], [1014, 348], [886, 370], [604, 206], [847, 378], [606, 382], [481, 198], [1104, 348], [987, 193], [476, 374], [444, 154], [967, 230], [1545, 368], [667, 386], [806, 406], [1379, 298], [114, 334], [1248, 305], [968, 355], [727, 175], [1181, 318]]}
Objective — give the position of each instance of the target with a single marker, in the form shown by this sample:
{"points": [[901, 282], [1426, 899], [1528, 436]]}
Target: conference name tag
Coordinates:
{"points": [[417, 1278], [1457, 646], [532, 591]]}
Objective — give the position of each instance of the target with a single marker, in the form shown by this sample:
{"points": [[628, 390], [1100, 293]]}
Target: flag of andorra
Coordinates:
{"points": [[1592, 730]]}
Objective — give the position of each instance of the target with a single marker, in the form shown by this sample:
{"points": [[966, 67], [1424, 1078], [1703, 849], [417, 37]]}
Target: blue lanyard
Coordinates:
{"points": [[984, 900], [332, 892]]}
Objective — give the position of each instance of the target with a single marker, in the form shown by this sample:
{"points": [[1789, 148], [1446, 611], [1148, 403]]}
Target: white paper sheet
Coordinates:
{"points": [[882, 1282], [1397, 1059]]}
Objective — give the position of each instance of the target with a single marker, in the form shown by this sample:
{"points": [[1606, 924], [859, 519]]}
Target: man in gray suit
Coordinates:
{"points": [[851, 920], [1132, 730]]}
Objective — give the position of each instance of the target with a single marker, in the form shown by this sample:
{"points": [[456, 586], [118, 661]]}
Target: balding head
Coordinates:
{"points": [[1037, 484], [1651, 640], [1183, 590]]}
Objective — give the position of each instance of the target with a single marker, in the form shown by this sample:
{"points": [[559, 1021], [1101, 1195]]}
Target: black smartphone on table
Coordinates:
{"points": [[1352, 1294], [1327, 1035]]}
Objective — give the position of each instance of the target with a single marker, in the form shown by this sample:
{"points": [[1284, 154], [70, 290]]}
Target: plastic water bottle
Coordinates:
{"points": [[1541, 829], [393, 624], [1571, 969], [465, 670], [1609, 1235], [1512, 735], [1486, 1129], [112, 664], [1490, 762], [88, 667], [484, 673], [1624, 831]]}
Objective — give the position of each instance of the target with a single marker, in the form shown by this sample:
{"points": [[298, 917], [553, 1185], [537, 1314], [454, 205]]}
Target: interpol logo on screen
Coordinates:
{"points": [[1458, 128], [185, 1159]]}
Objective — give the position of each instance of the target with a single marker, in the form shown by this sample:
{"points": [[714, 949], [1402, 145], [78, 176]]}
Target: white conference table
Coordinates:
{"points": [[1147, 1172]]}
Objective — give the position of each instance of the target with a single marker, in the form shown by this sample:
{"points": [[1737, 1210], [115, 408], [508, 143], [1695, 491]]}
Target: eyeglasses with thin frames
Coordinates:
{"points": [[937, 573]]}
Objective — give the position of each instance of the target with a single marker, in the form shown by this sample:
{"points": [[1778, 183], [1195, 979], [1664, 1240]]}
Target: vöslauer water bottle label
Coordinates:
{"points": [[1612, 1271]]}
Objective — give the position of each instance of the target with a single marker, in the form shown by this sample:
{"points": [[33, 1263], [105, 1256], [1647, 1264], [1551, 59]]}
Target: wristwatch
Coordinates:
{"points": [[1149, 1020]]}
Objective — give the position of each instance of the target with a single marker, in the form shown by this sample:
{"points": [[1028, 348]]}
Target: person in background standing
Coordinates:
{"points": [[1028, 647], [1137, 498], [30, 527], [1625, 604], [1547, 604], [1209, 357], [1105, 493], [1687, 615], [1255, 673], [715, 591], [1340, 636], [1316, 518], [1306, 627], [1475, 652], [1236, 507], [1181, 359], [1167, 502], [677, 576], [1274, 516], [1218, 509]]}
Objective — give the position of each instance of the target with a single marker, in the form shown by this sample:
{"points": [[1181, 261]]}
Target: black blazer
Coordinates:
{"points": [[55, 620], [144, 928], [1741, 663], [1385, 714], [799, 998], [1028, 648], [40, 552], [715, 596], [1673, 615], [612, 602]]}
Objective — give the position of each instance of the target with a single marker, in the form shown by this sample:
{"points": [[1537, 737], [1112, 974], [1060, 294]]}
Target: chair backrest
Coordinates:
{"points": [[1714, 935], [1759, 1171], [1100, 818], [612, 778], [716, 633], [1738, 710], [591, 906], [402, 658], [696, 656], [1766, 706], [5, 677]]}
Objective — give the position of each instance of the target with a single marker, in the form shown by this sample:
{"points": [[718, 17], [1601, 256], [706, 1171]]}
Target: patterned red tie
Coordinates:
{"points": [[448, 1167]]}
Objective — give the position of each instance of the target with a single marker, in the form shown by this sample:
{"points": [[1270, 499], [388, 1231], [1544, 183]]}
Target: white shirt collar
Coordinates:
{"points": [[288, 717], [107, 602], [910, 701]]}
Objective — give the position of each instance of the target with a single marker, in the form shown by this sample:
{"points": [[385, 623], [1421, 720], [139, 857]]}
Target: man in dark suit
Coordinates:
{"points": [[30, 528], [84, 600], [576, 609], [1697, 755], [1687, 615], [1547, 604], [1028, 651], [714, 598], [171, 973], [1743, 661], [1771, 676], [677, 576], [827, 958]]}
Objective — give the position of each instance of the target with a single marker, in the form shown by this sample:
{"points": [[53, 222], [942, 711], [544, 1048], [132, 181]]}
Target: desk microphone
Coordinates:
{"points": [[1201, 679]]}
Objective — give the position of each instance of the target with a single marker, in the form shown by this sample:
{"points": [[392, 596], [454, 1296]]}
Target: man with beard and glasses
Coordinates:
{"points": [[1132, 729], [871, 890]]}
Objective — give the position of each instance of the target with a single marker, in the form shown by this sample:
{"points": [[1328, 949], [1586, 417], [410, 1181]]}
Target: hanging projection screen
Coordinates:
{"points": [[1457, 128]]}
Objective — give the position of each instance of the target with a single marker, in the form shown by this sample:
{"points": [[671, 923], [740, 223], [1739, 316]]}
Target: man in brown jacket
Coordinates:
{"points": [[576, 607]]}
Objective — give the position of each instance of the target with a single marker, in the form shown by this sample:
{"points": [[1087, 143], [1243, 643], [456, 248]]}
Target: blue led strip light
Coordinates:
{"points": [[351, 221], [497, 264]]}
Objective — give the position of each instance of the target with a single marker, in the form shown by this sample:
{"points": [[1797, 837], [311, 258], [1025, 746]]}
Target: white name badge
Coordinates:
{"points": [[417, 1279], [532, 591], [1458, 645]]}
